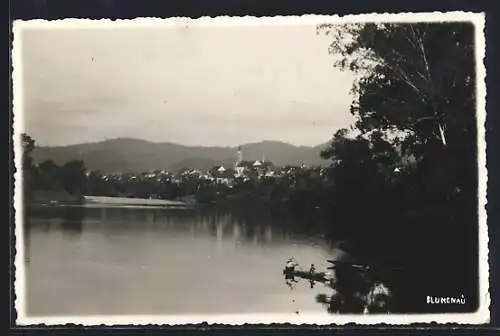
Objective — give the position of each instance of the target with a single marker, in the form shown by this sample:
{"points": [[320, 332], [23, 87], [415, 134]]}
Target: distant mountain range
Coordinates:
{"points": [[133, 155]]}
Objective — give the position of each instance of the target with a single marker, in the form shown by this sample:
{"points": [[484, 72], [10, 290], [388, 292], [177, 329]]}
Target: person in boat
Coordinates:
{"points": [[290, 265]]}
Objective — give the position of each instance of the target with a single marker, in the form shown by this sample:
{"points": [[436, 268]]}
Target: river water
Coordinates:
{"points": [[87, 261]]}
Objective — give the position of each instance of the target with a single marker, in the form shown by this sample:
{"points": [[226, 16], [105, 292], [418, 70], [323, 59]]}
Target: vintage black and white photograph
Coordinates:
{"points": [[313, 169]]}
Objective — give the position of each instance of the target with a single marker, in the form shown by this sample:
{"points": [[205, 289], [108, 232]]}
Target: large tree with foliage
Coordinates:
{"points": [[27, 168], [72, 177], [27, 145], [48, 175], [414, 100], [418, 78], [407, 169]]}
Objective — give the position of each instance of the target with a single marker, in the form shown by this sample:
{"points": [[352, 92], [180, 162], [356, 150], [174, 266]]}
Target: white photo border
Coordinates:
{"points": [[482, 315]]}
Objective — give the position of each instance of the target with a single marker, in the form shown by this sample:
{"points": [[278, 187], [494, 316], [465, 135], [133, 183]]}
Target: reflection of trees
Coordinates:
{"points": [[72, 220], [353, 290], [252, 225]]}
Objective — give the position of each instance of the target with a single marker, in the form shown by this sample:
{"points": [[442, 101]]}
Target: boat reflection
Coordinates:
{"points": [[351, 288]]}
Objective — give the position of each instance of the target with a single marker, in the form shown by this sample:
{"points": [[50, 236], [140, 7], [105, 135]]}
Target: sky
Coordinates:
{"points": [[193, 85]]}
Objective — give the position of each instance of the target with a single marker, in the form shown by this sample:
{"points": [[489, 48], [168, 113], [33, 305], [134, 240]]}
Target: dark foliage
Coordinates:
{"points": [[406, 174]]}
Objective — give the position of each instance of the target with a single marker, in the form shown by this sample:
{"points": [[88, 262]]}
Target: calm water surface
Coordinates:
{"points": [[82, 261]]}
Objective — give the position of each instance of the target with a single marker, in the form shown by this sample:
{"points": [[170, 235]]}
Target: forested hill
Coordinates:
{"points": [[133, 155]]}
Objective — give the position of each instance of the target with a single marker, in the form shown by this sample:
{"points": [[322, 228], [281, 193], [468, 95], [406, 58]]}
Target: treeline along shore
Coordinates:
{"points": [[71, 182]]}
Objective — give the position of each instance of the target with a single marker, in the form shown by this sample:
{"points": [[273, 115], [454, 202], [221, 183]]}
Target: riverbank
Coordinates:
{"points": [[131, 201], [106, 202]]}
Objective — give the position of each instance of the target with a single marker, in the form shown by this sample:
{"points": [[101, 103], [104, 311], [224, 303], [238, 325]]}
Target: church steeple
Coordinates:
{"points": [[239, 156]]}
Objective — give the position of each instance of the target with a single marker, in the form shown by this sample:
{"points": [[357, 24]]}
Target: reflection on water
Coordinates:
{"points": [[152, 261], [356, 290], [244, 225], [72, 221], [351, 288]]}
